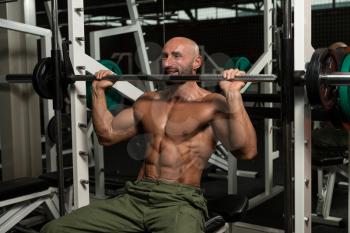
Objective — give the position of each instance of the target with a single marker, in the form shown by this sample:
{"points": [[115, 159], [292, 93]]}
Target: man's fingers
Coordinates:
{"points": [[241, 73], [232, 73], [102, 73]]}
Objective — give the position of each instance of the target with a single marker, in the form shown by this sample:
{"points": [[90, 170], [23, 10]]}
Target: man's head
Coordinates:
{"points": [[180, 56]]}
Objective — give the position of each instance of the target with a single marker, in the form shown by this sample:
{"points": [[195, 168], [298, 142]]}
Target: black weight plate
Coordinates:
{"points": [[328, 94], [65, 127], [312, 76], [42, 80]]}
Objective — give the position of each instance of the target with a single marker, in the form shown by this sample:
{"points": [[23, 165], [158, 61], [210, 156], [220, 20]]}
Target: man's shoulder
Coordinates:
{"points": [[216, 100], [147, 97], [213, 96]]}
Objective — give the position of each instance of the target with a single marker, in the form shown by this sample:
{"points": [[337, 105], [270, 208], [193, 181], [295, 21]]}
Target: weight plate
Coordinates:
{"points": [[322, 61], [339, 54], [328, 94], [312, 76], [65, 127], [344, 91], [113, 98], [41, 79]]}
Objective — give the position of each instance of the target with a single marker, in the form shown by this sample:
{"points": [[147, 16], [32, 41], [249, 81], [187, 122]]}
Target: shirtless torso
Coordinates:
{"points": [[180, 138]]}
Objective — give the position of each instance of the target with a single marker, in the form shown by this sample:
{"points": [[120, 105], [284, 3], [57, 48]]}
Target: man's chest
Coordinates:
{"points": [[179, 119]]}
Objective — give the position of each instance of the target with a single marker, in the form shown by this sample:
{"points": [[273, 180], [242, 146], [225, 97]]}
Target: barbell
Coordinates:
{"points": [[43, 81], [42, 78], [25, 78], [321, 79]]}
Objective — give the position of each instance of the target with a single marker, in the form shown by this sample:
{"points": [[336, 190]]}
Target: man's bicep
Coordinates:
{"points": [[124, 124], [220, 128]]}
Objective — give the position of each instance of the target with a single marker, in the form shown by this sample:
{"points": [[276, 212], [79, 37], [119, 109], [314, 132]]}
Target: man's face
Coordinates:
{"points": [[177, 59]]}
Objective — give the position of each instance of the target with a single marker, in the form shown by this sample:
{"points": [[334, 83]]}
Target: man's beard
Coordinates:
{"points": [[186, 71]]}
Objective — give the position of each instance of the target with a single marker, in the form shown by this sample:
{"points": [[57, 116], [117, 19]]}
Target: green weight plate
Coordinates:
{"points": [[344, 91], [113, 98], [241, 63]]}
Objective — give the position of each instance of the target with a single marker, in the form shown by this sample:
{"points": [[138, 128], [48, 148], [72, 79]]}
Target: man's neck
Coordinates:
{"points": [[186, 91]]}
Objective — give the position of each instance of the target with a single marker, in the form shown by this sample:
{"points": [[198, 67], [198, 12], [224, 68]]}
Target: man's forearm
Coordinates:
{"points": [[101, 117], [242, 135]]}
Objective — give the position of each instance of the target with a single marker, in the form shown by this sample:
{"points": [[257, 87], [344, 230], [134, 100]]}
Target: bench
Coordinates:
{"points": [[21, 196], [224, 210]]}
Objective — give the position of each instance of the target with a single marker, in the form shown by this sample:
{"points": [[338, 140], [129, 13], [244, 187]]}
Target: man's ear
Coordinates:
{"points": [[197, 62]]}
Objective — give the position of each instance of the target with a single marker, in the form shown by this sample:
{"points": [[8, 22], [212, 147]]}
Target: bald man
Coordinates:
{"points": [[182, 125]]}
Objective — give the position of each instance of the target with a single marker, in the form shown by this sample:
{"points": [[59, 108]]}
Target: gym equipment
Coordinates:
{"points": [[329, 153], [328, 88], [66, 130], [318, 92], [223, 210], [52, 178], [241, 63], [57, 102], [43, 69], [21, 196], [43, 81], [113, 98], [321, 77], [344, 91]]}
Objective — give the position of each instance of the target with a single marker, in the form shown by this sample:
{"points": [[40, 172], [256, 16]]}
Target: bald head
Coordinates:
{"points": [[180, 55], [186, 42]]}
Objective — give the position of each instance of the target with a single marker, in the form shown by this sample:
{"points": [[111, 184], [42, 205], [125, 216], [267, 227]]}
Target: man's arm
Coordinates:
{"points": [[110, 129], [231, 123]]}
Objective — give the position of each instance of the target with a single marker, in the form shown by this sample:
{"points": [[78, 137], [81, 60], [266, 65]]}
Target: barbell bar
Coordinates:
{"points": [[26, 78], [336, 79], [43, 81], [177, 78]]}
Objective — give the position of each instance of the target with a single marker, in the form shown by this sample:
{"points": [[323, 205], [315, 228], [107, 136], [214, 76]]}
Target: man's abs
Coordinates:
{"points": [[181, 163]]}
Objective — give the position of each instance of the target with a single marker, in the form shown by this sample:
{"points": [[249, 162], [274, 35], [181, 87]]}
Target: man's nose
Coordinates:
{"points": [[167, 62]]}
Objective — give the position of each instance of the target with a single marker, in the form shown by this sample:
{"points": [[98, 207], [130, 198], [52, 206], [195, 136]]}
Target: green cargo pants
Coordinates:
{"points": [[147, 206]]}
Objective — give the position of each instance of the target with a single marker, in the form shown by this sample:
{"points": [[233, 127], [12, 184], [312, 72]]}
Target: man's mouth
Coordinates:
{"points": [[172, 72]]}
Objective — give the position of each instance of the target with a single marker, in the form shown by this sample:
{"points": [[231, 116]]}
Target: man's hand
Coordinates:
{"points": [[102, 84], [232, 85]]}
